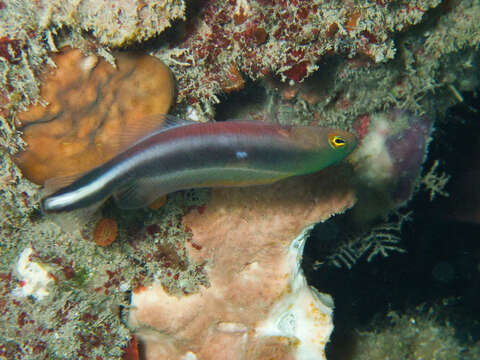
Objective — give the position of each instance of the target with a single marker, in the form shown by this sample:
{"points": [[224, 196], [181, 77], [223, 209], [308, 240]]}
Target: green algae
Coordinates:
{"points": [[421, 333]]}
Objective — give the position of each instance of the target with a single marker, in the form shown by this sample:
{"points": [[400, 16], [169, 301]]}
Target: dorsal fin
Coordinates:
{"points": [[136, 132], [52, 185], [169, 122], [173, 121]]}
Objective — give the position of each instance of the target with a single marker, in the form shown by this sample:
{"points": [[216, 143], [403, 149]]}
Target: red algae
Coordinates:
{"points": [[297, 72], [361, 125], [233, 81], [240, 16], [139, 289], [131, 351], [260, 36], [10, 50], [353, 21]]}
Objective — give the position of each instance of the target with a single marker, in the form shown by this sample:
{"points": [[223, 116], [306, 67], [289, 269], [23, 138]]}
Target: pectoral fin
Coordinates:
{"points": [[139, 193]]}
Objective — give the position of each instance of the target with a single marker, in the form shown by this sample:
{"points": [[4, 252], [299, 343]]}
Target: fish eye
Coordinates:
{"points": [[336, 141]]}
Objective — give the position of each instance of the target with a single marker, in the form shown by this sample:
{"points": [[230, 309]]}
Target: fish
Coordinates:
{"points": [[185, 154]]}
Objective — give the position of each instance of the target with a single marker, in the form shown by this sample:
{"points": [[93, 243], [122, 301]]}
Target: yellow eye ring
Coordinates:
{"points": [[336, 141]]}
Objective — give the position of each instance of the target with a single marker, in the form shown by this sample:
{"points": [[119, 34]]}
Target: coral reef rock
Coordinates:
{"points": [[287, 38], [119, 22], [258, 304], [90, 107], [113, 23]]}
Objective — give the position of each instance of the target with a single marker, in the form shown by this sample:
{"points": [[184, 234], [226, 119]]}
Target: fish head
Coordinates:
{"points": [[332, 144], [341, 142]]}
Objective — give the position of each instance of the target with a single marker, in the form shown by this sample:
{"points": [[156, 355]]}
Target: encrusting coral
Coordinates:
{"points": [[258, 305], [90, 107]]}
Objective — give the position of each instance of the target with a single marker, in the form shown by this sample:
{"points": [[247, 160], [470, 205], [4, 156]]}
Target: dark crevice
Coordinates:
{"points": [[443, 251]]}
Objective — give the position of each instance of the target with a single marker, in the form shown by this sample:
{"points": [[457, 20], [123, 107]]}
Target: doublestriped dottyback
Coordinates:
{"points": [[183, 155]]}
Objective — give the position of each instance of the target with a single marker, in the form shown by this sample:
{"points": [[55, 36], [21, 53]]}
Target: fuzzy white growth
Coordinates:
{"points": [[374, 163], [302, 314], [192, 114], [189, 356], [231, 327], [124, 287], [89, 63], [33, 276]]}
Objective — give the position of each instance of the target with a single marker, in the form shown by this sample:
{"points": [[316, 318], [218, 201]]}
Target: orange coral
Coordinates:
{"points": [[105, 232], [91, 106]]}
